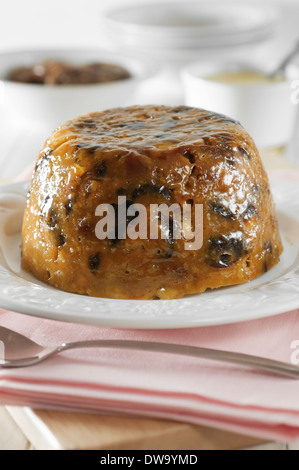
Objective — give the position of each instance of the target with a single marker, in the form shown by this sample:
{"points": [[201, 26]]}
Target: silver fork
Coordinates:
{"points": [[20, 351]]}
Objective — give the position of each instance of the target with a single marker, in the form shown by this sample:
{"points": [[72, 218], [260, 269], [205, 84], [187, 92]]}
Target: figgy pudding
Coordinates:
{"points": [[149, 155]]}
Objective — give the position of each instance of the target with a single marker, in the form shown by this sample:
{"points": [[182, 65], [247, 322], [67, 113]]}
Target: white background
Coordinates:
{"points": [[68, 22], [39, 23]]}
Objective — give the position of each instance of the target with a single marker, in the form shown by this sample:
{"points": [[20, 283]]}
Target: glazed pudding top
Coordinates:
{"points": [[149, 128]]}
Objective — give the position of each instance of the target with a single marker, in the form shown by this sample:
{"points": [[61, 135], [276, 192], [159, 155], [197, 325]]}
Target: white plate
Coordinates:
{"points": [[189, 24], [273, 293]]}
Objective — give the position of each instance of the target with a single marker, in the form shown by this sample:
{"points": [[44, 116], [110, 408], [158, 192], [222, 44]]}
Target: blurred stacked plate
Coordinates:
{"points": [[170, 29]]}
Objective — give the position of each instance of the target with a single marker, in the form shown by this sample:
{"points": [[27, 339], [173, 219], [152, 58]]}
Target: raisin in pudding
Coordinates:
{"points": [[149, 155]]}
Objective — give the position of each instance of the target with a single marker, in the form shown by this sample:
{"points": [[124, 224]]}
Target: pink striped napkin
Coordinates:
{"points": [[157, 385]]}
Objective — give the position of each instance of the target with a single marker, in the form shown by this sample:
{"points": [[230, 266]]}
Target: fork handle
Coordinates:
{"points": [[280, 368]]}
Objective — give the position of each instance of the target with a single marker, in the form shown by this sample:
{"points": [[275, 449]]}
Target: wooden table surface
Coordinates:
{"points": [[25, 428]]}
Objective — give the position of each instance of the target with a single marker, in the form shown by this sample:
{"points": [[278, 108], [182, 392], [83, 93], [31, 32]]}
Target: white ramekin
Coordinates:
{"points": [[265, 110], [52, 105]]}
